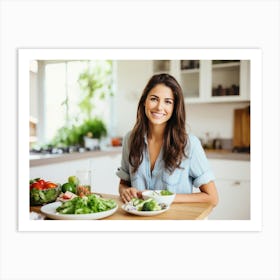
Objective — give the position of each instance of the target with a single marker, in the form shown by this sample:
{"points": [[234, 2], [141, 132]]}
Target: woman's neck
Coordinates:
{"points": [[156, 132]]}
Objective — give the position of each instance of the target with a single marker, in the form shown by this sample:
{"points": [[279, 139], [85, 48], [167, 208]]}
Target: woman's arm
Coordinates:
{"points": [[127, 192], [208, 193]]}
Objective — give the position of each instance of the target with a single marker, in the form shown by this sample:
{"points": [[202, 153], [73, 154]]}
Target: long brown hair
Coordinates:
{"points": [[175, 135]]}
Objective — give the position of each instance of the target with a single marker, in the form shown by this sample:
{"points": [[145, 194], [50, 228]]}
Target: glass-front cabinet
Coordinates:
{"points": [[190, 77], [205, 81]]}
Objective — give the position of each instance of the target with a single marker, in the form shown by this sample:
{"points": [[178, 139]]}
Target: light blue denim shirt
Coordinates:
{"points": [[195, 169]]}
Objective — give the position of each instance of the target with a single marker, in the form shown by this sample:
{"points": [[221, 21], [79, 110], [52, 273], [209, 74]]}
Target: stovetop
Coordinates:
{"points": [[61, 150]]}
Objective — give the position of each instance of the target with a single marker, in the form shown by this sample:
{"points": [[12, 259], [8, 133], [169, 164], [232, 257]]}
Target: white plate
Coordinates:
{"points": [[143, 213], [50, 211]]}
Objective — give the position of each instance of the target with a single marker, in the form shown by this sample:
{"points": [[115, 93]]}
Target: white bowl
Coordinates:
{"points": [[167, 199]]}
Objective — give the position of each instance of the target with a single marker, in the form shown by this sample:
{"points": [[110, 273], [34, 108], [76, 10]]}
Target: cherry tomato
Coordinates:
{"points": [[41, 181], [36, 185], [50, 185]]}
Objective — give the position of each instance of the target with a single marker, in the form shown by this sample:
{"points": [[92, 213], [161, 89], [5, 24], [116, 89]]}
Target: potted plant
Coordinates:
{"points": [[93, 130], [87, 134], [68, 136]]}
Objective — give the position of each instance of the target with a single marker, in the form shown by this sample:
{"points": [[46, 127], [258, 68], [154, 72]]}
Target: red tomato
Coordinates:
{"points": [[36, 185], [50, 185], [41, 181], [65, 196]]}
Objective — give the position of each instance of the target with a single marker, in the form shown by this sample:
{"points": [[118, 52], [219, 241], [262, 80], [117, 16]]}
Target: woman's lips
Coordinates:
{"points": [[157, 115]]}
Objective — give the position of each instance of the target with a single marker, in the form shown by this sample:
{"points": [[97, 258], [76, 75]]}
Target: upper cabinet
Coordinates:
{"points": [[206, 81]]}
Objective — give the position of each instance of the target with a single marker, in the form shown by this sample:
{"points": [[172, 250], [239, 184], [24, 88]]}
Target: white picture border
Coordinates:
{"points": [[255, 57]]}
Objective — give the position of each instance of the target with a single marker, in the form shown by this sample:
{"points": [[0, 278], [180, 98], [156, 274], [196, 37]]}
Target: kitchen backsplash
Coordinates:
{"points": [[214, 119]]}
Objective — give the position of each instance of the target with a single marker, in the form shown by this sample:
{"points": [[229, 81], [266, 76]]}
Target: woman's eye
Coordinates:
{"points": [[169, 102], [153, 99]]}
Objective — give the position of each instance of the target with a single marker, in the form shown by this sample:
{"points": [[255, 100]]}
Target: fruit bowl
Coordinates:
{"points": [[44, 196]]}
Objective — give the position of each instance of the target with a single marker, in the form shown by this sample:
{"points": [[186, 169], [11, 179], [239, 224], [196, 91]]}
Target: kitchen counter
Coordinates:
{"points": [[39, 159], [177, 211], [227, 154]]}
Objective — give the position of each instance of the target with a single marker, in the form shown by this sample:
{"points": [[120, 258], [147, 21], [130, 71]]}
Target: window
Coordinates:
{"points": [[63, 93]]}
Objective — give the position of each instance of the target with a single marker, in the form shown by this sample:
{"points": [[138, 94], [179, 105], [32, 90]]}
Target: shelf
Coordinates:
{"points": [[215, 99], [190, 71], [226, 65]]}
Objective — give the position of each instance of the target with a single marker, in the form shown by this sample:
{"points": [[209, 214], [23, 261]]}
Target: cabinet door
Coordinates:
{"points": [[235, 170], [195, 79], [189, 78], [233, 185], [104, 178], [245, 80], [234, 200]]}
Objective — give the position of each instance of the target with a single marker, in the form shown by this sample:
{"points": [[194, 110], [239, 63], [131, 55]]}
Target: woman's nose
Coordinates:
{"points": [[159, 105]]}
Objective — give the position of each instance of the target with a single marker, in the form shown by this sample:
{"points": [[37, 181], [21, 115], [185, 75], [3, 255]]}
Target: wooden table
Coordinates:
{"points": [[177, 211]]}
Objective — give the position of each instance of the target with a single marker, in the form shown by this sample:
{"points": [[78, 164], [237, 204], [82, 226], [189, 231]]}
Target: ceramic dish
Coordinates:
{"points": [[50, 211]]}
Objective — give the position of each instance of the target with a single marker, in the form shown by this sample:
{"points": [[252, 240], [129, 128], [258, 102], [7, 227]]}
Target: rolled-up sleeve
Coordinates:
{"points": [[200, 169], [123, 170]]}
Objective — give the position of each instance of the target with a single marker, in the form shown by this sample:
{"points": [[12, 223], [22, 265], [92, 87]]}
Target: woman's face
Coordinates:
{"points": [[159, 104]]}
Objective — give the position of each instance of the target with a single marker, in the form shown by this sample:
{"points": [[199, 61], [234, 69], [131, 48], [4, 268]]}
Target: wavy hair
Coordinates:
{"points": [[175, 135]]}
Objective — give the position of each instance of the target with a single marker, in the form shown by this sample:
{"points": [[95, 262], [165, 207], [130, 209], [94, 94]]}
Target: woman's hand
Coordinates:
{"points": [[127, 193]]}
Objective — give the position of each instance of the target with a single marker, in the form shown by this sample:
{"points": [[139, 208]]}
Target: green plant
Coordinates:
{"points": [[68, 136], [73, 135], [94, 128]]}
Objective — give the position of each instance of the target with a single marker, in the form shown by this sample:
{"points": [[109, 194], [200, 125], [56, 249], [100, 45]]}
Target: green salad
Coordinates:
{"points": [[146, 205], [165, 192], [41, 197], [86, 205]]}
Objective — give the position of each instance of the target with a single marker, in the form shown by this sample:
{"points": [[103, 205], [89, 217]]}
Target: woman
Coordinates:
{"points": [[159, 154]]}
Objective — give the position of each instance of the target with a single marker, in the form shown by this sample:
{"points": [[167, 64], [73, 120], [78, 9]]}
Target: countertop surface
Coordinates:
{"points": [[226, 154], [39, 159], [177, 211]]}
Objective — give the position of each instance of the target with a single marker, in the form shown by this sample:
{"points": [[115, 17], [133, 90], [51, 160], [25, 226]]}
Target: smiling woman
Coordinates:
{"points": [[159, 154]]}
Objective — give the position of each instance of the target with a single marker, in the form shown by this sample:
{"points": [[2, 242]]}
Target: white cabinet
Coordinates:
{"points": [[233, 185], [104, 178], [234, 200], [206, 81]]}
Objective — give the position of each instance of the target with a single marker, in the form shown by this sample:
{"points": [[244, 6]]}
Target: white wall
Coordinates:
{"points": [[132, 77], [214, 118]]}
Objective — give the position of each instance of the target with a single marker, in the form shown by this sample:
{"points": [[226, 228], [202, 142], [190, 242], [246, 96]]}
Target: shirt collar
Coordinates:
{"points": [[146, 139]]}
